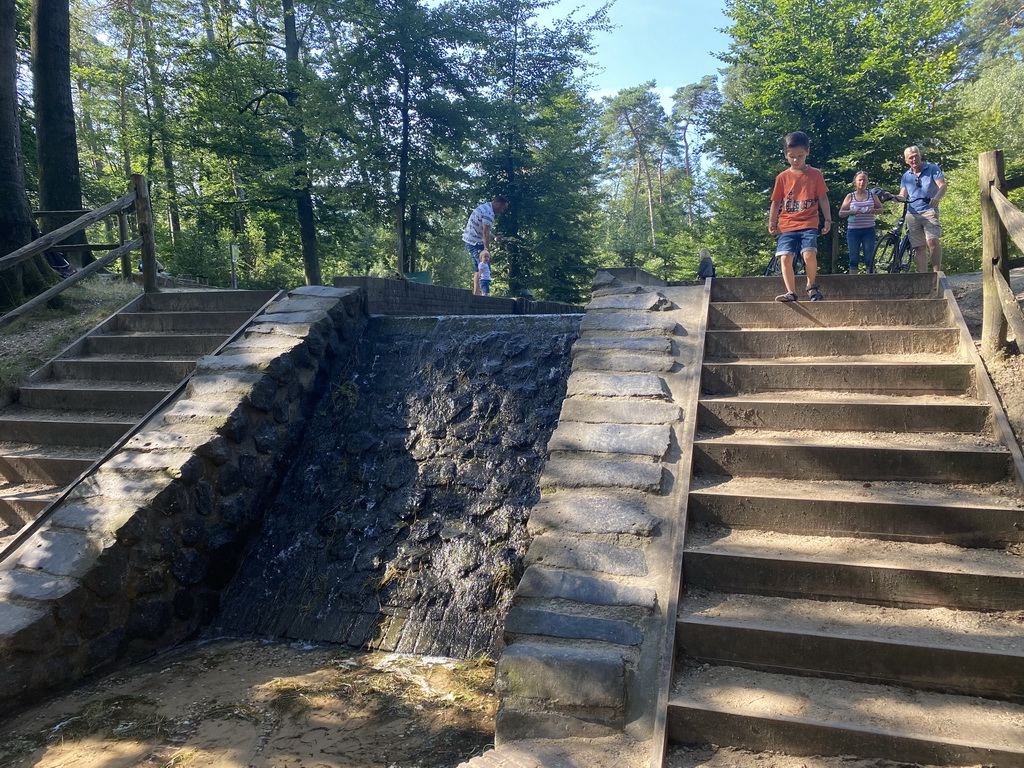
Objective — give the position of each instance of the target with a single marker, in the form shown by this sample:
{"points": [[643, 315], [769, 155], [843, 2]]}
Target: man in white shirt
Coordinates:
{"points": [[477, 235]]}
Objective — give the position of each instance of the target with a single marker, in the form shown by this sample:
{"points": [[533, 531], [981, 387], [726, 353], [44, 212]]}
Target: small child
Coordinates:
{"points": [[484, 273], [799, 194]]}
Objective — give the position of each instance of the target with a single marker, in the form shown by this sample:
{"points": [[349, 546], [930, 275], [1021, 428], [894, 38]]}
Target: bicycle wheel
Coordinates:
{"points": [[774, 268], [885, 253], [904, 257]]}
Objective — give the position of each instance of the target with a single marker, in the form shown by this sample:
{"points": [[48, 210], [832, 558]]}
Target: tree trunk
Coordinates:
{"points": [[302, 193], [403, 178], [28, 278], [160, 113], [60, 181]]}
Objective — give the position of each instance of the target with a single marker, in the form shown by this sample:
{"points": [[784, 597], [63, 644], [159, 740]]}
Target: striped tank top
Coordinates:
{"points": [[861, 218]]}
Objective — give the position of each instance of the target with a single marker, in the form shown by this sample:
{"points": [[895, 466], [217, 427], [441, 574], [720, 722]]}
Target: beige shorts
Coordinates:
{"points": [[923, 226]]}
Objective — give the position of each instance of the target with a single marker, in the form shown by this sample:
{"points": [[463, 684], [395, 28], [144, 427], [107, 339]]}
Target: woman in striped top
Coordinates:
{"points": [[862, 207]]}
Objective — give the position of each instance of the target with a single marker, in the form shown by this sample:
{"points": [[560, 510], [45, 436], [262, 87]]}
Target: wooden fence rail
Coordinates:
{"points": [[999, 218], [137, 196]]}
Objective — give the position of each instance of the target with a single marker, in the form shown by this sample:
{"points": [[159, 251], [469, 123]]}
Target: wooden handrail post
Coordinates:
{"points": [[993, 253], [122, 236], [144, 213]]}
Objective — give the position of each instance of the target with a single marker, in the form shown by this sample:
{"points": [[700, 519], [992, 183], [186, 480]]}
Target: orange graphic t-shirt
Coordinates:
{"points": [[798, 193]]}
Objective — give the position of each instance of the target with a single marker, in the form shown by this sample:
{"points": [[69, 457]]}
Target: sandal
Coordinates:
{"points": [[813, 293], [789, 296]]}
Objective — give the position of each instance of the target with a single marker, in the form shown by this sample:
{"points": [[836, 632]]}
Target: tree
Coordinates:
{"points": [[30, 277], [402, 68], [60, 182], [863, 79], [529, 69]]}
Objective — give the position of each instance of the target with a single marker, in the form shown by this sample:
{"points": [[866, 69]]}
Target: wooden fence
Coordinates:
{"points": [[137, 196], [999, 217]]}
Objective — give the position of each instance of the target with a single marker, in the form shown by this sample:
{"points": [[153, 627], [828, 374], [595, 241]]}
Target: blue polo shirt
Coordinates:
{"points": [[920, 195]]}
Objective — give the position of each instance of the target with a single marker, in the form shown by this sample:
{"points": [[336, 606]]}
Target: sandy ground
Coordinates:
{"points": [[229, 704], [241, 704]]}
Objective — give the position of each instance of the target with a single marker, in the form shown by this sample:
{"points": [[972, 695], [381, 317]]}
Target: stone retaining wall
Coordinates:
{"points": [[588, 626], [135, 559], [403, 297]]}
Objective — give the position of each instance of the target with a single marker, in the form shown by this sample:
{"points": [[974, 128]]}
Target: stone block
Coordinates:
{"points": [[579, 555], [639, 385], [230, 384], [622, 362], [60, 553], [637, 344], [548, 583], [577, 473], [325, 292], [619, 411], [532, 621], [590, 514], [608, 323], [172, 464], [633, 302], [281, 367], [33, 585], [519, 725], [562, 676], [96, 517], [180, 438], [17, 622], [640, 440]]}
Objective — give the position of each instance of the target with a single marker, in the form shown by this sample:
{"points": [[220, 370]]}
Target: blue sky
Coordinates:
{"points": [[669, 41]]}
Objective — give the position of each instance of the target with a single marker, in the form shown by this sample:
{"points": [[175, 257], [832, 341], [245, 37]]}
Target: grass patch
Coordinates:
{"points": [[117, 718], [32, 340]]}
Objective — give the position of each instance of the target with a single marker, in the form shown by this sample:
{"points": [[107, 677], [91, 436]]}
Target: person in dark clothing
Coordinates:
{"points": [[707, 266]]}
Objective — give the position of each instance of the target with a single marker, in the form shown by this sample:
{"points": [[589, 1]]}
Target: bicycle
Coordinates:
{"points": [[774, 268], [893, 252]]}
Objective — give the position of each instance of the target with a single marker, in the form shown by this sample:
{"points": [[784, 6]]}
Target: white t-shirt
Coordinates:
{"points": [[482, 215]]}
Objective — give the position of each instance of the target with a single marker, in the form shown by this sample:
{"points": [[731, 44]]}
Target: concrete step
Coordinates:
{"points": [[20, 504], [37, 465], [737, 315], [148, 345], [840, 411], [834, 287], [123, 369], [963, 515], [205, 301], [21, 425], [102, 396], [895, 573], [882, 376], [928, 458], [963, 652], [795, 715], [761, 344], [175, 322]]}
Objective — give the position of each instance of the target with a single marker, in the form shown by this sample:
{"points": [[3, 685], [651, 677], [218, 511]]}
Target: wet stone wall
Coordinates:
{"points": [[402, 524]]}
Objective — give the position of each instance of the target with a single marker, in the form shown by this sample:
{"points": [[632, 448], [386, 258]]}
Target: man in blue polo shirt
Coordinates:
{"points": [[477, 235], [923, 186]]}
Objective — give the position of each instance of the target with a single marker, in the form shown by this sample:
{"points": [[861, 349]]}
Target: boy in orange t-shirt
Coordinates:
{"points": [[799, 194]]}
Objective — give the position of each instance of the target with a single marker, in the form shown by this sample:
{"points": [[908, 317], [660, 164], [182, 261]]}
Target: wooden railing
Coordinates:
{"points": [[999, 217], [138, 196]]}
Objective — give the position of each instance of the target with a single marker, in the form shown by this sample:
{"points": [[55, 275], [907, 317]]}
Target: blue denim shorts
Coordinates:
{"points": [[798, 241], [474, 252]]}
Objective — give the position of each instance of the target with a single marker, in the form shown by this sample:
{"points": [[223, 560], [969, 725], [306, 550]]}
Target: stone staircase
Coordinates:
{"points": [[83, 402], [853, 575]]}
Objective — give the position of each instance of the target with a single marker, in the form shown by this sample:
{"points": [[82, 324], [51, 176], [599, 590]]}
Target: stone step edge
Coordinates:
{"points": [[710, 550], [977, 672], [972, 752]]}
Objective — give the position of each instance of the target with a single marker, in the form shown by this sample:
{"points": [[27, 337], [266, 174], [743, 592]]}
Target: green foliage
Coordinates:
{"points": [[863, 79]]}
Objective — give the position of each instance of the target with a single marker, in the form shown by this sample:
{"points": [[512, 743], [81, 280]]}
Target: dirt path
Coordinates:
{"points": [[230, 704]]}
